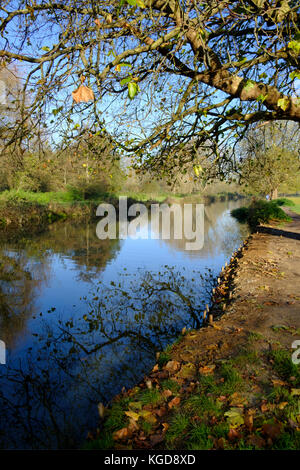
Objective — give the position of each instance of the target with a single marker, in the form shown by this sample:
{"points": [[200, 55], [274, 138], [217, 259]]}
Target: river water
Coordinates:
{"points": [[82, 318]]}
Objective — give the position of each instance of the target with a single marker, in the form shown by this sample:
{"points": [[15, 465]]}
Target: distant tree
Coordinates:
{"points": [[270, 156]]}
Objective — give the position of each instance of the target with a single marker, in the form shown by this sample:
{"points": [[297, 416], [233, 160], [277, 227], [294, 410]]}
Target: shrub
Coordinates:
{"points": [[258, 212]]}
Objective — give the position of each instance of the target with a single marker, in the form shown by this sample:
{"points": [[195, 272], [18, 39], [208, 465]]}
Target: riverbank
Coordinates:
{"points": [[231, 384], [24, 213]]}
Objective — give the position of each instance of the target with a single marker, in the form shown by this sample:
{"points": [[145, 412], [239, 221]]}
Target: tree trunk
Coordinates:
{"points": [[274, 194]]}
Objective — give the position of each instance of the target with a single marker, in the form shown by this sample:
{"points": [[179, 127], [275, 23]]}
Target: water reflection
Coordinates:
{"points": [[82, 318]]}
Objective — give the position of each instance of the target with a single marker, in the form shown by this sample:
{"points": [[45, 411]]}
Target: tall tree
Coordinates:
{"points": [[270, 156], [158, 72]]}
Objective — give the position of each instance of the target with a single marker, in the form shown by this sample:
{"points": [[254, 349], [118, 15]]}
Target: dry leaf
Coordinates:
{"points": [[101, 409], [174, 402], [206, 370], [132, 415], [256, 441], [248, 419], [149, 384], [233, 434], [97, 22], [172, 366], [83, 94], [165, 426], [167, 393], [279, 383], [272, 430], [122, 434], [156, 439]]}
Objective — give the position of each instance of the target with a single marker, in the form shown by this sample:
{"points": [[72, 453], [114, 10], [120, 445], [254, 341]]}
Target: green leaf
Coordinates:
{"points": [[132, 2], [234, 417], [249, 85], [197, 169], [46, 48], [261, 98], [132, 90], [295, 74], [295, 45], [140, 3], [125, 81], [283, 103], [263, 75]]}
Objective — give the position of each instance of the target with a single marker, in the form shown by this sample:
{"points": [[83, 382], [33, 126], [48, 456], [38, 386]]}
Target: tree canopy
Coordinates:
{"points": [[162, 76]]}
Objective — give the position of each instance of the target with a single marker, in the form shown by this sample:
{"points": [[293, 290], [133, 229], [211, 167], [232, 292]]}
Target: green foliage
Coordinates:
{"points": [[259, 212], [283, 201], [284, 366]]}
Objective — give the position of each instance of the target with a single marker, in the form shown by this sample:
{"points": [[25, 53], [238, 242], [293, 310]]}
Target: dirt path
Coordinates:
{"points": [[265, 293]]}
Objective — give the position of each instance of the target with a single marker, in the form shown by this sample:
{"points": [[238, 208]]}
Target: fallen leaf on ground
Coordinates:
{"points": [[172, 366], [234, 417], [165, 426], [248, 419], [132, 415], [272, 430], [282, 405], [174, 402], [279, 383], [122, 434], [256, 441], [156, 439], [233, 434], [167, 393], [187, 371], [206, 370]]}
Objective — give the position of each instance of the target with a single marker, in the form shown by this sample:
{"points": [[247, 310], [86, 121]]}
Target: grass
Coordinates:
{"points": [[295, 204], [213, 415]]}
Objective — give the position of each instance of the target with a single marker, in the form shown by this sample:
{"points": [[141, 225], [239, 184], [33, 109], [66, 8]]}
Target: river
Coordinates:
{"points": [[82, 318]]}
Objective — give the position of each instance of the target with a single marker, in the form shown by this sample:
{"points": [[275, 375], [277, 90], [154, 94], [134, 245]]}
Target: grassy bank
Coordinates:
{"points": [[218, 406], [24, 212]]}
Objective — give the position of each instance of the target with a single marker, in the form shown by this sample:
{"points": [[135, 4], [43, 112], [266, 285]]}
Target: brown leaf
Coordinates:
{"points": [[174, 402], [160, 411], [122, 434], [165, 426], [83, 94], [97, 22], [248, 419], [256, 441], [155, 368], [264, 407], [282, 405], [167, 393], [156, 439], [272, 430], [206, 370], [172, 366], [279, 383], [220, 443], [233, 434]]}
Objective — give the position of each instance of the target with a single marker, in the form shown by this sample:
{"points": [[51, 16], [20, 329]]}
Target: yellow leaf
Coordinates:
{"points": [[132, 415]]}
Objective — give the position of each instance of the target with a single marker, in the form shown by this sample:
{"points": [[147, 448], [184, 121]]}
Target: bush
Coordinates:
{"points": [[260, 212], [283, 201]]}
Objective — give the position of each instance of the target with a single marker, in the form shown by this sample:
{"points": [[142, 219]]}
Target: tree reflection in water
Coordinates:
{"points": [[49, 400]]}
